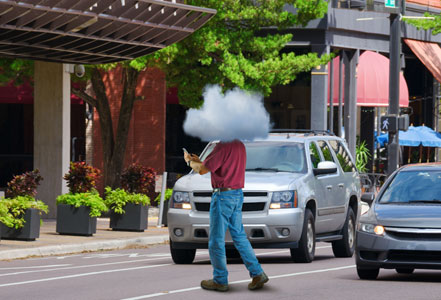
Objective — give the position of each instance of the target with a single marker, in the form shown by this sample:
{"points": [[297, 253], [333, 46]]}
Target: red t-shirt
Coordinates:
{"points": [[227, 165]]}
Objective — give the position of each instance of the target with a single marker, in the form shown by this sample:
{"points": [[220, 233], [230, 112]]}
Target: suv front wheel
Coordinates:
{"points": [[345, 247], [306, 250], [182, 256]]}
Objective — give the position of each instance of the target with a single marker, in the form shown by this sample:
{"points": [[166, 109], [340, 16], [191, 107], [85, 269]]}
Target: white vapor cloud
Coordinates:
{"points": [[237, 114]]}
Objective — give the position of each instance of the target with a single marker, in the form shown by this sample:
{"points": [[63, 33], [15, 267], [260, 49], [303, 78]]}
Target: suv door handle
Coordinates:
{"points": [[341, 185], [329, 187]]}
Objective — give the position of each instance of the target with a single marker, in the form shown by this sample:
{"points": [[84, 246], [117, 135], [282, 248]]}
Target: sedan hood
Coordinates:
{"points": [[254, 181], [409, 215]]}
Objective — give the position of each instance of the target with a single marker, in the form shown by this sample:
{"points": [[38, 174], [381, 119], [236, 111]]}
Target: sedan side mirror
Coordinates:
{"points": [[368, 198], [325, 167]]}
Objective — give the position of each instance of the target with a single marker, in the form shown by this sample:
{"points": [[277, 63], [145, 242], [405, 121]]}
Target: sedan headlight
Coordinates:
{"points": [[284, 199], [371, 228], [180, 200]]}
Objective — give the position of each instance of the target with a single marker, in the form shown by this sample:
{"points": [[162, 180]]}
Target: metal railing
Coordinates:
{"points": [[372, 182]]}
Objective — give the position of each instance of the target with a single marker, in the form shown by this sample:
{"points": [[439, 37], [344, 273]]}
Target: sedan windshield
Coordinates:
{"points": [[276, 157], [414, 187]]}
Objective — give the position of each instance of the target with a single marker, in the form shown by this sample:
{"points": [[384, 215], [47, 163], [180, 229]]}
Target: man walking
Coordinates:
{"points": [[227, 166]]}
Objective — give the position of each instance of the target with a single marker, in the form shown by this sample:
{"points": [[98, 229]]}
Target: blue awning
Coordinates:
{"points": [[414, 137]]}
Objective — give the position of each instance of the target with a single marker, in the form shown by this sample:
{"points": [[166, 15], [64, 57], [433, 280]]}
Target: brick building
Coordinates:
{"points": [[146, 138]]}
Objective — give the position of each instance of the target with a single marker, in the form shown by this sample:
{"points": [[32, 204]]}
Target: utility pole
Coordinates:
{"points": [[394, 85]]}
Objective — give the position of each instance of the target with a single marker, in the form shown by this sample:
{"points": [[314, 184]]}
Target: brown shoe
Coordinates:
{"points": [[211, 285], [258, 282]]}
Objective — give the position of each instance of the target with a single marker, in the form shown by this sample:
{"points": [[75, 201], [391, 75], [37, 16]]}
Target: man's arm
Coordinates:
{"points": [[195, 163]]}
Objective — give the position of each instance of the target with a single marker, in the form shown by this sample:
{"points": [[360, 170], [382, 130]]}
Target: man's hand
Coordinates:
{"points": [[191, 157], [196, 165], [187, 157], [194, 157]]}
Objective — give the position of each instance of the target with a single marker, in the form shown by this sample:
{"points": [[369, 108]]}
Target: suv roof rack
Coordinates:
{"points": [[304, 131]]}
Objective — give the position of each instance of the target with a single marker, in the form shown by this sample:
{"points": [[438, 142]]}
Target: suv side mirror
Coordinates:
{"points": [[325, 167], [368, 198]]}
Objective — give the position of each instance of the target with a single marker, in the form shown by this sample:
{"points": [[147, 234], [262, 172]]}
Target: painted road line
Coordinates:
{"points": [[240, 281], [84, 266], [80, 275], [70, 267], [34, 267]]}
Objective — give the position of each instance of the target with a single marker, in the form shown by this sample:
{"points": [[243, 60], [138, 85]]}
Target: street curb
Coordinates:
{"points": [[84, 247]]}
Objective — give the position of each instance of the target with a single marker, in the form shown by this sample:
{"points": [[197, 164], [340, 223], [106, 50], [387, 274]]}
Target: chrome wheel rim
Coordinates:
{"points": [[310, 237], [351, 233]]}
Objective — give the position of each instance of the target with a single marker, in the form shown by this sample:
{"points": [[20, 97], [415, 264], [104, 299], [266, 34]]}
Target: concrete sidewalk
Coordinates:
{"points": [[52, 243]]}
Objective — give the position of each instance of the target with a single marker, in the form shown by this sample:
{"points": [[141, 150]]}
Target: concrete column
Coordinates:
{"points": [[319, 92], [350, 60], [340, 95], [51, 130]]}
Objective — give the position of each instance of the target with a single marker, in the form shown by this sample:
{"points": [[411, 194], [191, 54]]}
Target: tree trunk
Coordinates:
{"points": [[130, 79], [105, 119], [114, 145]]}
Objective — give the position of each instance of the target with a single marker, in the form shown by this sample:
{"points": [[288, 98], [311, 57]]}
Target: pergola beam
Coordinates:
{"points": [[94, 31]]}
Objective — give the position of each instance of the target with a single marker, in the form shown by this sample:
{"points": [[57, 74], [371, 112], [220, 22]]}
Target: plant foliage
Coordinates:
{"points": [[118, 198], [89, 199], [433, 23], [167, 195], [24, 185], [16, 208], [81, 177], [241, 46], [138, 179], [362, 156]]}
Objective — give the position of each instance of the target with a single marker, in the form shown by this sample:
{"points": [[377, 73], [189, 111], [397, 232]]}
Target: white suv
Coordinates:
{"points": [[300, 188]]}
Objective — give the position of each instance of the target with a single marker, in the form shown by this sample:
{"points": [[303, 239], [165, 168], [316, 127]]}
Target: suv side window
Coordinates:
{"points": [[314, 156], [343, 156], [327, 154]]}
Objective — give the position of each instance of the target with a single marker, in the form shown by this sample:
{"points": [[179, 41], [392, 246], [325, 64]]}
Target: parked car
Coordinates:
{"points": [[402, 230], [300, 188]]}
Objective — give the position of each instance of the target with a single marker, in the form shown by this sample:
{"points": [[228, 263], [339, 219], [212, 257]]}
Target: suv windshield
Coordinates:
{"points": [[271, 156], [414, 187], [276, 156]]}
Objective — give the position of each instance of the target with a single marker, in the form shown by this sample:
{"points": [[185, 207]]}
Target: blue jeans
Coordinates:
{"points": [[226, 213]]}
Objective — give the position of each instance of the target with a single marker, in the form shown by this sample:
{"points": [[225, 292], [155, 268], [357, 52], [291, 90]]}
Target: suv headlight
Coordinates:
{"points": [[180, 200], [371, 228], [284, 199]]}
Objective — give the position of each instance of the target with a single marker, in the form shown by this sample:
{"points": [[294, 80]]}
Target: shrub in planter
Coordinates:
{"points": [[138, 179], [129, 211], [24, 185], [92, 200], [81, 177], [22, 220], [77, 210], [167, 196], [4, 215]]}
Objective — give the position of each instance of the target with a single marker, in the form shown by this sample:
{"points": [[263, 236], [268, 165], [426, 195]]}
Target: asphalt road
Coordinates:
{"points": [[150, 273]]}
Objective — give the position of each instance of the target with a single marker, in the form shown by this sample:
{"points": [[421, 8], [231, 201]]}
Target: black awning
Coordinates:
{"points": [[94, 31]]}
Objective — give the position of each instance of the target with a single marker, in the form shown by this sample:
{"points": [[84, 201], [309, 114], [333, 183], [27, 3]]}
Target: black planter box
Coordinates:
{"points": [[75, 220], [134, 218], [29, 232]]}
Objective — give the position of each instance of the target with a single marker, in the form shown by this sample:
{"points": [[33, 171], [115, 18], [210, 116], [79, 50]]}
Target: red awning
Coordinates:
{"points": [[372, 81], [172, 96], [16, 94], [24, 94], [429, 54]]}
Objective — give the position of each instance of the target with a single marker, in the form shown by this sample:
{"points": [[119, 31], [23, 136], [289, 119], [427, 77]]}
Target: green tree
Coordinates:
{"points": [[432, 22], [241, 46]]}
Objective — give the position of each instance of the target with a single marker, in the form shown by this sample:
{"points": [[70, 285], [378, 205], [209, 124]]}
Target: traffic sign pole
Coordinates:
{"points": [[394, 85]]}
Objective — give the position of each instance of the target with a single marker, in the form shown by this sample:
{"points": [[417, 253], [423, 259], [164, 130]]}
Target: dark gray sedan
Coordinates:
{"points": [[402, 229]]}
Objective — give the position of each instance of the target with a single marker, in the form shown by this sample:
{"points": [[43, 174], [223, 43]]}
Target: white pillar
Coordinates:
{"points": [[51, 130]]}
